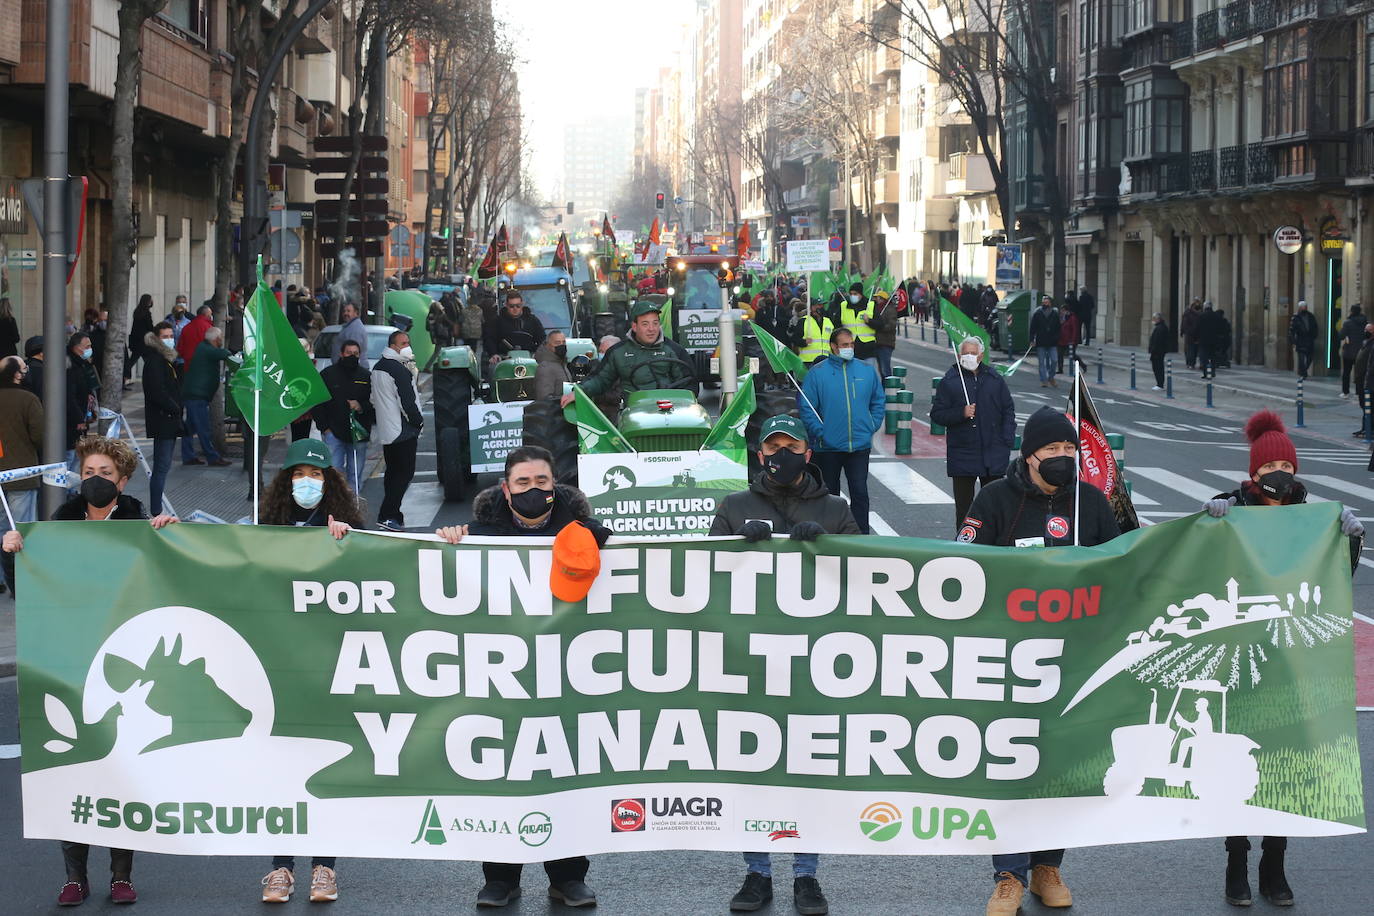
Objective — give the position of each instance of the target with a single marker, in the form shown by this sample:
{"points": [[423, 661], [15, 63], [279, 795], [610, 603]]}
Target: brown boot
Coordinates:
{"points": [[1046, 883], [1006, 896]]}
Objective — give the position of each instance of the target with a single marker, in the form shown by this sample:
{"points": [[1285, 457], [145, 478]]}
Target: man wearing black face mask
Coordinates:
{"points": [[552, 361], [527, 503]]}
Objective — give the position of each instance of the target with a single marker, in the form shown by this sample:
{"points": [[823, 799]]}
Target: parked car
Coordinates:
{"points": [[377, 335]]}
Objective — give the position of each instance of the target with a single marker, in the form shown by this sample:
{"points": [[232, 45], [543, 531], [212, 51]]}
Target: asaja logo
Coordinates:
{"points": [[535, 828], [881, 821], [492, 418], [627, 814], [431, 831], [618, 478]]}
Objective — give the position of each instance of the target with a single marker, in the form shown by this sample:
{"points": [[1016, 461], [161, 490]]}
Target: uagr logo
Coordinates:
{"points": [[627, 815]]}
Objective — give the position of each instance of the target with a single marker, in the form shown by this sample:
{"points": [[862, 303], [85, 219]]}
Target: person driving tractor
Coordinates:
{"points": [[642, 361], [514, 328]]}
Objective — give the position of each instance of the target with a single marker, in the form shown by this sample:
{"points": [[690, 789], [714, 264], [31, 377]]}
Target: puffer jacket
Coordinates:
{"points": [[850, 401], [1014, 508], [162, 397], [978, 447], [782, 507], [491, 514]]}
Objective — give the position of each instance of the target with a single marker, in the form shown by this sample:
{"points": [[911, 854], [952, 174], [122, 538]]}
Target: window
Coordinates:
{"points": [[1369, 68], [419, 182], [1137, 120], [1286, 69], [188, 16]]}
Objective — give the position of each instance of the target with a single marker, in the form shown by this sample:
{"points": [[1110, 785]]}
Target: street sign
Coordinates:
{"points": [[367, 229], [336, 166], [1008, 273], [808, 254], [369, 249], [1288, 239], [360, 186], [836, 243], [372, 143], [329, 209], [78, 187]]}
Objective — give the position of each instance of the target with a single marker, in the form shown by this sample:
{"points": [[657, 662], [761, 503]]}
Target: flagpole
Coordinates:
{"points": [[959, 369], [257, 443], [1078, 439]]}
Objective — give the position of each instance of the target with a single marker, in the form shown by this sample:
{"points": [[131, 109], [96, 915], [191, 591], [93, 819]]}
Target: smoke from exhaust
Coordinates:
{"points": [[345, 285]]}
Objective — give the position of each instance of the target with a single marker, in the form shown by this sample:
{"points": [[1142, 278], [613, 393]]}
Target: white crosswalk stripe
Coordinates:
{"points": [[907, 485], [1177, 482]]}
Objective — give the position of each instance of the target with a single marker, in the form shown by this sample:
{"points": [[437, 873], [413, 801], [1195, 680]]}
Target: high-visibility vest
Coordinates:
{"points": [[853, 319], [818, 330]]}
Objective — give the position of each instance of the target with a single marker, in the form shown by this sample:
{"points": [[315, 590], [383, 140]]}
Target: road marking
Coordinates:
{"points": [[1140, 499], [908, 486], [1176, 482], [9, 751], [1368, 620], [1342, 486], [879, 526], [1165, 514]]}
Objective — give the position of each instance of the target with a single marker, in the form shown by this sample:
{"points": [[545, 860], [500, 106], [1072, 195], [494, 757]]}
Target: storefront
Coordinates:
{"points": [[18, 259]]}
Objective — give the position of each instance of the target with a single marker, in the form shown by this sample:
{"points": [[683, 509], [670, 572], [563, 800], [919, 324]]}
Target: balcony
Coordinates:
{"points": [[1206, 31], [1259, 164], [1202, 170], [887, 189], [887, 122], [1231, 167], [799, 197], [838, 200], [968, 173], [1182, 37], [886, 62], [1362, 156]]}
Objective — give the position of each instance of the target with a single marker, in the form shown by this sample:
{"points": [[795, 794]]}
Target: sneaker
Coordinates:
{"points": [[1345, 394], [324, 884], [277, 885], [1156, 388], [391, 524], [573, 893], [1054, 383], [193, 461], [221, 463], [1006, 896], [123, 892], [74, 893], [1047, 884], [497, 893], [756, 891], [807, 896]]}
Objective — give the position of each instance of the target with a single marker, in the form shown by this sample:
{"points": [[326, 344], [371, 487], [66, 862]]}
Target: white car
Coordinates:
{"points": [[377, 335]]}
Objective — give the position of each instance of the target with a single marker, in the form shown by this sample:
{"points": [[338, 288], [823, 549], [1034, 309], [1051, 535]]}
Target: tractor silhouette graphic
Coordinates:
{"points": [[684, 478], [1214, 765]]}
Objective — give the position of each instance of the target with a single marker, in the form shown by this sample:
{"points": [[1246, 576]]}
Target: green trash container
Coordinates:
{"points": [[1013, 320]]}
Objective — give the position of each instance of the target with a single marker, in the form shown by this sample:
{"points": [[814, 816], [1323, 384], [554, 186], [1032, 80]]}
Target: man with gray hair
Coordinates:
{"points": [[202, 381], [975, 406], [351, 329], [1159, 346]]}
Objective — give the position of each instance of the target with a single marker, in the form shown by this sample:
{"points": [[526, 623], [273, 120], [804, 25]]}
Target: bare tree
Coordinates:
{"points": [[715, 150], [633, 201], [128, 75]]}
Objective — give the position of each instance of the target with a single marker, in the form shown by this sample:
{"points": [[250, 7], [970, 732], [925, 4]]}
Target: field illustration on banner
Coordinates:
{"points": [[660, 494]]}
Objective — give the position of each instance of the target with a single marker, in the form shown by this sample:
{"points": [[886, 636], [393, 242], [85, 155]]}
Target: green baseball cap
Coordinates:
{"points": [[786, 424], [307, 451], [644, 308]]}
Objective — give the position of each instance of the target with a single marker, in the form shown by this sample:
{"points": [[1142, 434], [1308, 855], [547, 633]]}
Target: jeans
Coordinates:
{"points": [[162, 464], [1157, 364], [573, 868], [349, 459], [1206, 361], [1347, 366], [75, 856], [855, 467], [1304, 362], [289, 862], [198, 426], [884, 357], [963, 495], [1019, 864], [400, 469], [1048, 357], [803, 864], [1190, 353], [24, 506]]}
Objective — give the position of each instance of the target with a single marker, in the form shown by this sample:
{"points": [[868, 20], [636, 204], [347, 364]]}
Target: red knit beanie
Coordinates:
{"points": [[1269, 441]]}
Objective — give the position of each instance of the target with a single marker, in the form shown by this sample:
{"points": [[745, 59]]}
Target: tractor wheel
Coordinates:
{"points": [[1121, 782], [546, 427], [452, 461]]}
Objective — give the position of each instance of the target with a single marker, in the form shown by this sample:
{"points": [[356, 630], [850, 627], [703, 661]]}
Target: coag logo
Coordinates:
{"points": [[535, 828], [881, 821], [627, 815]]}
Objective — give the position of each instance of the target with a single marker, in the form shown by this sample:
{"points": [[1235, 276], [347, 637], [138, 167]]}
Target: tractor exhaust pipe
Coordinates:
{"points": [[729, 380], [1154, 705]]}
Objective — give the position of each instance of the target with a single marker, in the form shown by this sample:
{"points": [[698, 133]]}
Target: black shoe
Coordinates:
{"points": [[757, 891], [807, 896], [573, 893], [1237, 881], [497, 893], [1273, 884]]}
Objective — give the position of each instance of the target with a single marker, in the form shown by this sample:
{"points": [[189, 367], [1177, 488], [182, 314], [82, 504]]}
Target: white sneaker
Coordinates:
{"points": [[1156, 388], [1345, 394]]}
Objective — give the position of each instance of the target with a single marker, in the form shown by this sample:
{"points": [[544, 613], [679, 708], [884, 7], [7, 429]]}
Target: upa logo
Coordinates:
{"points": [[1057, 526], [881, 821], [627, 815], [535, 828]]}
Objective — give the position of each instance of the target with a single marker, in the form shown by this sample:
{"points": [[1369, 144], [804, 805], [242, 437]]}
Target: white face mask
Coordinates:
{"points": [[845, 353], [854, 300], [407, 353], [168, 342], [969, 361]]}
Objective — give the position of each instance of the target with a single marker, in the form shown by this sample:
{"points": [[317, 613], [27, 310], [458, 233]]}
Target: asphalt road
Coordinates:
{"points": [[1177, 454]]}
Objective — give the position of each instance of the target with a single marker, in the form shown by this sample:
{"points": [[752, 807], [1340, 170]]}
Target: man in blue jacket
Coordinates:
{"points": [[975, 406], [843, 408]]}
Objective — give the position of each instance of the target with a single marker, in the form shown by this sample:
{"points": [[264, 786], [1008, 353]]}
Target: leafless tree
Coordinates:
{"points": [[715, 151], [128, 75]]}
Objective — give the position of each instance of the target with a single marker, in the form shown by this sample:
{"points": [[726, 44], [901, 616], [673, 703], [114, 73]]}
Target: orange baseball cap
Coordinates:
{"points": [[576, 563]]}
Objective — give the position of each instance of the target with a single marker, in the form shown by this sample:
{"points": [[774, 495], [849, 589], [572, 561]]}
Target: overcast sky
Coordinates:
{"points": [[584, 58]]}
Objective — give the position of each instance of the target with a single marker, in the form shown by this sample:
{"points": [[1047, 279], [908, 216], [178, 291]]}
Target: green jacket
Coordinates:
{"points": [[202, 378], [638, 367]]}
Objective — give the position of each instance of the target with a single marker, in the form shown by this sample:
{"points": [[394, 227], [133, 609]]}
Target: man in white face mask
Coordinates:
{"points": [[975, 406]]}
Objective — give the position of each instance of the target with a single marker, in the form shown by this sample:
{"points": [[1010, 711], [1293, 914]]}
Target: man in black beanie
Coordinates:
{"points": [[1033, 506]]}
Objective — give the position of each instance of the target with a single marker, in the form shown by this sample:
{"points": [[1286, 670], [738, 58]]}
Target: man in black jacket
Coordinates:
{"points": [[1302, 337], [787, 496], [162, 407], [515, 328], [1159, 346], [976, 408], [350, 396], [527, 503], [1044, 333]]}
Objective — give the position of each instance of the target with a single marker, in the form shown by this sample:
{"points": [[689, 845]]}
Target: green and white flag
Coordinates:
{"points": [[1009, 369], [728, 435], [779, 355], [959, 326], [596, 434], [275, 364]]}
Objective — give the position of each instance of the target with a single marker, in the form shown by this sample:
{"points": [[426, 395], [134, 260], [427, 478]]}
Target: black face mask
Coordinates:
{"points": [[531, 503], [784, 466], [1276, 484], [561, 351], [348, 362], [1057, 471], [98, 492]]}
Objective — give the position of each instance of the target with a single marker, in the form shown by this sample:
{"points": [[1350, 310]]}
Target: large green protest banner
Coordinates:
{"points": [[234, 690]]}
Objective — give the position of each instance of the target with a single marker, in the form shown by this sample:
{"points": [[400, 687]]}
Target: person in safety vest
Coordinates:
{"points": [[855, 312], [813, 333]]}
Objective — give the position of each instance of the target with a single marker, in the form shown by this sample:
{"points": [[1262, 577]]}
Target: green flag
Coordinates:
{"points": [[275, 364], [728, 434], [778, 355], [1009, 370], [959, 326], [596, 435]]}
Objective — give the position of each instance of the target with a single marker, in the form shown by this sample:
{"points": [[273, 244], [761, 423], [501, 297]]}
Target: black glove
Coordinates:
{"points": [[598, 530], [754, 531], [806, 531]]}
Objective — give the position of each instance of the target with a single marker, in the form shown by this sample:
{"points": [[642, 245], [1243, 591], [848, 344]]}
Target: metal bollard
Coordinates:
{"points": [[923, 331], [1209, 394], [904, 330], [1133, 372], [1368, 418], [1099, 365], [1299, 424], [936, 332], [1169, 378], [905, 400]]}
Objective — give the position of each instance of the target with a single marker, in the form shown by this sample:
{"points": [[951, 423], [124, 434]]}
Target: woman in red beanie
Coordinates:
{"points": [[1273, 464]]}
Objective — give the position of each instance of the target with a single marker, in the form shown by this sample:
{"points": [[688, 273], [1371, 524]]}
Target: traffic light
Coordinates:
{"points": [[570, 208], [660, 201], [725, 277]]}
